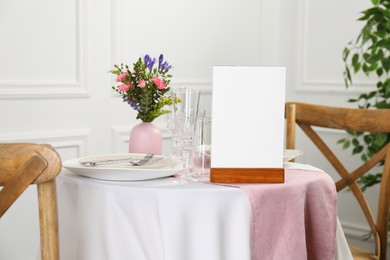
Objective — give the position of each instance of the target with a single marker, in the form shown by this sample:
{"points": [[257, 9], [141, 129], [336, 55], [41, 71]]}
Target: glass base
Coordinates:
{"points": [[185, 179], [201, 177]]}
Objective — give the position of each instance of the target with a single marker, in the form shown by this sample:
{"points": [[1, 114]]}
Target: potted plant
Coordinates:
{"points": [[370, 54], [144, 88]]}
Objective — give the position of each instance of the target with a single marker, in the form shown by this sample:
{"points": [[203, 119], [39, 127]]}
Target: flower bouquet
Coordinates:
{"points": [[144, 87]]}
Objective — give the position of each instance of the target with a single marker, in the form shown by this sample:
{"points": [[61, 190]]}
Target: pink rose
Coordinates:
{"points": [[124, 87], [122, 76], [158, 82], [141, 83]]}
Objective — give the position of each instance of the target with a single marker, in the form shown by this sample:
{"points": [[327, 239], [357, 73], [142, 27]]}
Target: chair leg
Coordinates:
{"points": [[290, 116], [48, 218]]}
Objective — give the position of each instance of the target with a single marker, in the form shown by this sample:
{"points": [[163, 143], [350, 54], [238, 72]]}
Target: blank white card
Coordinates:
{"points": [[248, 117]]}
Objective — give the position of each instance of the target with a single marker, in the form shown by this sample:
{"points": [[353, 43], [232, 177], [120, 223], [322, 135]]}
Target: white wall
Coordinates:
{"points": [[54, 58]]}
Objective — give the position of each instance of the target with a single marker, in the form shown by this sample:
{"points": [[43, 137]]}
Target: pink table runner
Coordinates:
{"points": [[294, 220]]}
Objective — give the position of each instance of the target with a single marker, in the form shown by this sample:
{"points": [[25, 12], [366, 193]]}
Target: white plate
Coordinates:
{"points": [[290, 154], [163, 167]]}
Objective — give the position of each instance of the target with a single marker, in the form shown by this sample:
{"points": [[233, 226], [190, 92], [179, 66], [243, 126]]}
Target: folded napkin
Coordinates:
{"points": [[295, 219]]}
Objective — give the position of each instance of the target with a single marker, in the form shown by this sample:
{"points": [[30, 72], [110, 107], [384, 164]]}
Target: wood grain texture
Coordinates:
{"points": [[22, 165], [361, 120], [247, 175]]}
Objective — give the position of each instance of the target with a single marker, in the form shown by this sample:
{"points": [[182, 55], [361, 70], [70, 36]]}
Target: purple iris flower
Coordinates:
{"points": [[147, 58], [160, 59], [134, 105], [149, 62], [165, 66]]}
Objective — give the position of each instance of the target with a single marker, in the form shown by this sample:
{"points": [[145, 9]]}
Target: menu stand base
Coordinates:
{"points": [[247, 175]]}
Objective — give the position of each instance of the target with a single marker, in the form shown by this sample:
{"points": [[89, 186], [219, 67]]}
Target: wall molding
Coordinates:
{"points": [[34, 89], [319, 86], [357, 232], [117, 52], [77, 139], [116, 31], [353, 230], [270, 30]]}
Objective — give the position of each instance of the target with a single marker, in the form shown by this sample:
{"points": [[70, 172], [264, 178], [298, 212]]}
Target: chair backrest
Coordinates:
{"points": [[25, 164], [352, 119]]}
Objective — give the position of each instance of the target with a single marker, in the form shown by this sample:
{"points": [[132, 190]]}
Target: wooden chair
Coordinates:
{"points": [[25, 164], [360, 120]]}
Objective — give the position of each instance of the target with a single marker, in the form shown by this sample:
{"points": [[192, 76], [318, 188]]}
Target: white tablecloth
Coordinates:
{"points": [[155, 220]]}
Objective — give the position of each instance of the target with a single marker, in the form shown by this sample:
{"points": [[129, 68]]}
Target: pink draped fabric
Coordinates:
{"points": [[294, 220]]}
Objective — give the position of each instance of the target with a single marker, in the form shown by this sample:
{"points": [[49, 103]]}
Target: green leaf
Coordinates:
{"points": [[375, 57], [355, 59], [381, 105], [363, 96], [381, 34], [353, 133], [365, 68], [379, 84], [357, 149], [379, 72], [356, 67], [374, 2], [363, 18], [368, 138], [373, 67], [386, 64], [370, 11], [386, 86], [384, 43], [371, 94], [369, 180], [349, 74], [346, 82], [366, 36], [380, 139], [346, 52], [366, 56], [346, 144], [387, 91], [342, 140]]}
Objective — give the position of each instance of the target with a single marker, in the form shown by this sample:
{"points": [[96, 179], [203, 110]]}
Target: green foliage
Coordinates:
{"points": [[144, 87], [370, 54]]}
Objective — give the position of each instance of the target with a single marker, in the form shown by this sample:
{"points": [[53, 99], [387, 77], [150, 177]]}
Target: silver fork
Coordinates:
{"points": [[144, 160], [139, 162]]}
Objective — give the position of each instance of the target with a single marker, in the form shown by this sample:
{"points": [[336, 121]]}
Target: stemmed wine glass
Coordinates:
{"points": [[185, 112]]}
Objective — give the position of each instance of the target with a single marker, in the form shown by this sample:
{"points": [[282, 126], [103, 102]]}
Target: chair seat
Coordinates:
{"points": [[361, 254]]}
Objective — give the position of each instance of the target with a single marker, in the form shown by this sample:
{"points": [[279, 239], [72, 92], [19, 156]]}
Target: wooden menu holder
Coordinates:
{"points": [[247, 134], [247, 175]]}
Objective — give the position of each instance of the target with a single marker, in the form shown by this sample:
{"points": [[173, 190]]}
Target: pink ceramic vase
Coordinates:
{"points": [[145, 138]]}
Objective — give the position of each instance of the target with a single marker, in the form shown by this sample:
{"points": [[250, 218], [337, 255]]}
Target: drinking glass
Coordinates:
{"points": [[171, 122], [185, 109], [202, 152]]}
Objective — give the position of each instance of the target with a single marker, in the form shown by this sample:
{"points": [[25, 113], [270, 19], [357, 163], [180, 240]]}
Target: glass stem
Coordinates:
{"points": [[186, 161]]}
